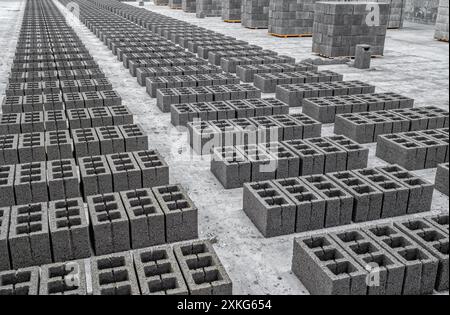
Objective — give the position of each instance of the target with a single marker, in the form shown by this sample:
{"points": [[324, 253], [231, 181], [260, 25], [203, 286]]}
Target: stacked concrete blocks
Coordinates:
{"points": [[175, 4], [232, 11], [189, 6], [209, 8], [291, 17], [340, 26], [255, 14], [202, 269], [442, 28], [442, 179]]}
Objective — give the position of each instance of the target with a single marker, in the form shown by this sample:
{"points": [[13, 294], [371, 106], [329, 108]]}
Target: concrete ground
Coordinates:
{"points": [[414, 65]]}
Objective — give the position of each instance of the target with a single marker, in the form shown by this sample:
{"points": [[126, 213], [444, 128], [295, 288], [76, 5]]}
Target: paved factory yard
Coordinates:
{"points": [[414, 65]]}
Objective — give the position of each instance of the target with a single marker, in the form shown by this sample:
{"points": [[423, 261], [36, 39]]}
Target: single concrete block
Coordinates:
{"points": [[30, 183], [67, 278], [125, 171], [63, 179], [20, 282], [7, 197], [59, 145], [5, 263], [96, 176], [155, 171]]}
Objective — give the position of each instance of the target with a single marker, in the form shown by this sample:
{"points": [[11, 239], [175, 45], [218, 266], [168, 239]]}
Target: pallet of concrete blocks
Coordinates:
{"points": [[230, 64], [216, 57], [161, 2], [189, 6], [442, 179], [232, 11], [209, 8], [247, 72], [23, 281], [167, 97], [415, 150], [295, 95], [291, 18], [255, 14], [182, 114], [203, 51], [154, 84], [202, 269], [396, 13], [331, 24], [153, 72], [366, 127], [325, 109], [205, 136], [441, 28], [268, 82]]}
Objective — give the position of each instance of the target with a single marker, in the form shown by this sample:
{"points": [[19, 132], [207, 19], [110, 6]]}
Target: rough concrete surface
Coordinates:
{"points": [[414, 65]]}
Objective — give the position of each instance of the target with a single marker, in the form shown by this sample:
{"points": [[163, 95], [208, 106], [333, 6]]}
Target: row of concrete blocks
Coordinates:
{"points": [[442, 179], [203, 51], [50, 51], [366, 127], [167, 97], [51, 58], [415, 150], [127, 58], [203, 46], [295, 94], [295, 205], [190, 41], [268, 82], [325, 109], [41, 233], [122, 51], [60, 179], [340, 26], [31, 122], [230, 64], [189, 268], [182, 114], [44, 146], [50, 66], [136, 65], [60, 101], [154, 84], [65, 86], [33, 76], [215, 57], [205, 136], [236, 165], [408, 257], [247, 72], [143, 74]]}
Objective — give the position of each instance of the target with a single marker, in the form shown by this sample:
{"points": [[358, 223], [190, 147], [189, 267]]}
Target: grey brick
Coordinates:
{"points": [[111, 140], [442, 181], [5, 263], [32, 147], [155, 170], [68, 278], [96, 176], [7, 174], [59, 145], [63, 179], [9, 145], [86, 142], [125, 171], [30, 183], [20, 282]]}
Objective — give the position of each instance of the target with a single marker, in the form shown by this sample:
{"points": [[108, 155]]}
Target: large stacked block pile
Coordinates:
{"points": [[175, 4], [291, 17], [209, 8], [340, 26], [420, 11], [397, 12], [231, 10], [189, 6], [255, 13], [441, 32]]}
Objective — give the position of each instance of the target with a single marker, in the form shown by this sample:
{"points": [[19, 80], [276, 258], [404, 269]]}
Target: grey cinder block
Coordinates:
{"points": [[63, 179], [158, 272], [147, 222], [180, 212], [29, 237], [67, 278], [126, 173], [5, 263], [442, 179], [24, 281], [114, 275], [109, 223], [7, 174], [155, 171], [30, 183], [69, 229], [202, 269], [96, 176], [59, 145]]}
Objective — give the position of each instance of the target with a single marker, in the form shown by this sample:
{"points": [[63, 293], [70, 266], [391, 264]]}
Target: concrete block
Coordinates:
{"points": [[135, 138], [29, 237], [230, 167], [202, 269], [158, 272], [63, 179], [439, 221], [441, 182], [96, 175], [59, 145], [79, 118], [10, 124], [31, 147], [180, 212], [55, 120], [109, 223], [125, 171], [7, 174], [121, 115], [155, 171], [114, 275], [24, 281], [30, 183], [5, 263], [111, 140], [69, 230], [86, 142], [67, 278], [9, 146]]}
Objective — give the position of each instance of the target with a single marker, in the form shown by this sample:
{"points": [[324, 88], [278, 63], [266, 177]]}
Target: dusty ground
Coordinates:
{"points": [[414, 65]]}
